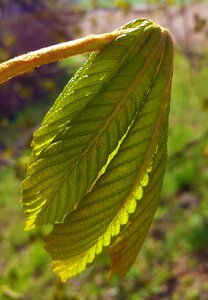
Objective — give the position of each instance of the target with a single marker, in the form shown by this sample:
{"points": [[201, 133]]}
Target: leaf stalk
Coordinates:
{"points": [[28, 62]]}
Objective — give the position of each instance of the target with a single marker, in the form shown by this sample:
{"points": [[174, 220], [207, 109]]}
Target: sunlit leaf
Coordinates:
{"points": [[99, 156]]}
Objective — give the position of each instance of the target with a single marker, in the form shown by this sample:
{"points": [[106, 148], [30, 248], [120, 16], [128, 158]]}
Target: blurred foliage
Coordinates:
{"points": [[92, 4], [173, 262]]}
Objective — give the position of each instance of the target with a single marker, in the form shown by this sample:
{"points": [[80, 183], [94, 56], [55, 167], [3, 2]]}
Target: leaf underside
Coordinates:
{"points": [[99, 156]]}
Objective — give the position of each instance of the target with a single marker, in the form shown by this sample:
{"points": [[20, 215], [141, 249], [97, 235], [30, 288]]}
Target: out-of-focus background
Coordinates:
{"points": [[173, 263]]}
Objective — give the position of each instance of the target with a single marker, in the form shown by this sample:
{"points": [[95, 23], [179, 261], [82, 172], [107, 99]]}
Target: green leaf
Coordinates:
{"points": [[99, 156], [69, 155], [124, 198], [125, 249]]}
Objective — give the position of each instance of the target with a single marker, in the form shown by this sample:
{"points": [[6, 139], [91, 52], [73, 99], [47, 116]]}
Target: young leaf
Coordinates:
{"points": [[125, 249], [133, 177], [87, 122], [99, 156]]}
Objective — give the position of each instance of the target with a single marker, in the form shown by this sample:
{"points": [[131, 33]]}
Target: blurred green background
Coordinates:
{"points": [[173, 263]]}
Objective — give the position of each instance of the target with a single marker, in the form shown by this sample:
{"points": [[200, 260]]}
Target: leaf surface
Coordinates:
{"points": [[88, 122], [125, 249], [123, 199]]}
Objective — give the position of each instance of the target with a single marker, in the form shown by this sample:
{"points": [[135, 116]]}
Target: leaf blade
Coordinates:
{"points": [[42, 201], [125, 249], [71, 244]]}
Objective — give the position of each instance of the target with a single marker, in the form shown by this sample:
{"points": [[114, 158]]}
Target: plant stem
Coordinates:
{"points": [[28, 62]]}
